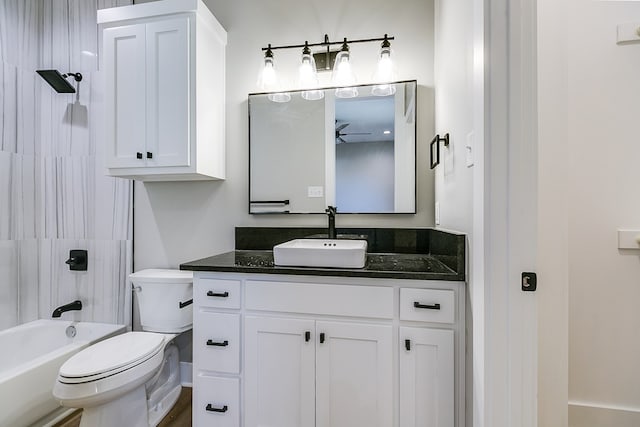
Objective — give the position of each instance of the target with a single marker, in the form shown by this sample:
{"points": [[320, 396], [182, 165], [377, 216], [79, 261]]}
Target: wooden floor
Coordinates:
{"points": [[179, 416]]}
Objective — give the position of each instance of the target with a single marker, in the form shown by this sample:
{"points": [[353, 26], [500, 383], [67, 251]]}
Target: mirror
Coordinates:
{"points": [[358, 154]]}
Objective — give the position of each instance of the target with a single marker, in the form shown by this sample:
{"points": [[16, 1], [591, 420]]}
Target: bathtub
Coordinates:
{"points": [[30, 356]]}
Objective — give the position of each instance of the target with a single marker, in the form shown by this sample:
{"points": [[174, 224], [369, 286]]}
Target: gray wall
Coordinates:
{"points": [[53, 192], [177, 222], [365, 171]]}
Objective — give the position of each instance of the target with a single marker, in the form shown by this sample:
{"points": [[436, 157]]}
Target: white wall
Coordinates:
{"points": [[456, 97], [604, 151], [177, 222], [553, 214], [597, 171]]}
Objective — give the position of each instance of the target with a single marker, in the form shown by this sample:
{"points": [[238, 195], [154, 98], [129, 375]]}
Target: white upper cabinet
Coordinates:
{"points": [[163, 65]]}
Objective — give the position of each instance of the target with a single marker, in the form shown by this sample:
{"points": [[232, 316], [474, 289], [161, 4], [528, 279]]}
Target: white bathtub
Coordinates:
{"points": [[30, 356]]}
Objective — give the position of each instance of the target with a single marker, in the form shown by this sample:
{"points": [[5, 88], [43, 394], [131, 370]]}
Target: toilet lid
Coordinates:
{"points": [[113, 354]]}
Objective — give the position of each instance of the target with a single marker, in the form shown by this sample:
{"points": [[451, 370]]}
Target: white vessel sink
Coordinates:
{"points": [[321, 253]]}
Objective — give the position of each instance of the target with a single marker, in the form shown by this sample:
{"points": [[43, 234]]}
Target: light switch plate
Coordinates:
{"points": [[629, 32], [628, 239]]}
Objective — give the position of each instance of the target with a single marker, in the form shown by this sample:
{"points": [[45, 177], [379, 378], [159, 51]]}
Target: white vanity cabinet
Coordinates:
{"points": [[327, 351], [164, 65]]}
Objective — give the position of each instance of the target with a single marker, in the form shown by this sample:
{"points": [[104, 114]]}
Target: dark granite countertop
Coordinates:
{"points": [[379, 265]]}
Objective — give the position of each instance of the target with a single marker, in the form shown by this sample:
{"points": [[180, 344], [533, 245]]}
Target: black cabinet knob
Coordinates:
{"points": [[138, 155], [149, 155]]}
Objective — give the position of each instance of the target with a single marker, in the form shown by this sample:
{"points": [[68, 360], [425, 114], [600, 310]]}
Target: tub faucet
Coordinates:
{"points": [[76, 305], [331, 214]]}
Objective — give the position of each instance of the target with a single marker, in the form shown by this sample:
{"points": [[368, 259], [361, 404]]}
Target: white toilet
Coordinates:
{"points": [[133, 379]]}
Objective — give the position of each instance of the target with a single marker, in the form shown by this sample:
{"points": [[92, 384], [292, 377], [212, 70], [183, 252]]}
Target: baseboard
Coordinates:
{"points": [[186, 374], [590, 414]]}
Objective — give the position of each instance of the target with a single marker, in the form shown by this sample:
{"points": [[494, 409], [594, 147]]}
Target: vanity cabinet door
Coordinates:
{"points": [[354, 385], [279, 384], [426, 359]]}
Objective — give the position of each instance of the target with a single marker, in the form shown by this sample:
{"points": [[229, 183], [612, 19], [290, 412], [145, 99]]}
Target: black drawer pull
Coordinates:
{"points": [[221, 295], [321, 337], [218, 344], [307, 336], [211, 408], [407, 345], [436, 306], [149, 155], [138, 155], [185, 304]]}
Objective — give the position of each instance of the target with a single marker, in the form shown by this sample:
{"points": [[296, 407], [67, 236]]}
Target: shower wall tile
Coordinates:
{"points": [[19, 273], [19, 32], [103, 288], [29, 260], [9, 134], [9, 274], [80, 202], [18, 199]]}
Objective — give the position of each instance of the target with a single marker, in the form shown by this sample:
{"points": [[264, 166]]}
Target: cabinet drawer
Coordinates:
{"points": [[216, 342], [427, 305], [217, 293], [216, 401], [316, 298]]}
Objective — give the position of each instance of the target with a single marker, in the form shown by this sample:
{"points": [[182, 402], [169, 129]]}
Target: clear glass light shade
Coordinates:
{"points": [[308, 78], [279, 97], [343, 76], [385, 72], [268, 80]]}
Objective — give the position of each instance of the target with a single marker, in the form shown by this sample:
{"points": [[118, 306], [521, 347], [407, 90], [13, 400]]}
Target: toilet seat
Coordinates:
{"points": [[110, 357]]}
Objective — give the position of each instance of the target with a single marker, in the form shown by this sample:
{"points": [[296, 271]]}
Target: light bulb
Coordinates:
{"points": [[343, 76], [308, 76], [268, 78], [385, 72]]}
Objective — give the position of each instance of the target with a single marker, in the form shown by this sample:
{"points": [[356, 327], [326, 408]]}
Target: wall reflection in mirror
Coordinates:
{"points": [[358, 154]]}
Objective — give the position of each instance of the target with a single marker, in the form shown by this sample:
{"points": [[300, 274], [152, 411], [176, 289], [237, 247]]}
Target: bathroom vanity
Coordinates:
{"points": [[294, 346]]}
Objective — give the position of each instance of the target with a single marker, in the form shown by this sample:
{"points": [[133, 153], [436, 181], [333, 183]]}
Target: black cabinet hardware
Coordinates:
{"points": [[218, 344], [211, 408], [214, 294], [269, 202], [307, 336], [186, 303], [138, 155], [149, 155], [321, 337], [407, 345], [436, 306]]}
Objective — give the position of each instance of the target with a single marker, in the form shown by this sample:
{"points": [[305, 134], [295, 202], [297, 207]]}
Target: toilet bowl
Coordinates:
{"points": [[133, 379]]}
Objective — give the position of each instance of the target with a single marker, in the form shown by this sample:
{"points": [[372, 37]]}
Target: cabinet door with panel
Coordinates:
{"points": [[354, 375], [427, 397], [167, 94], [148, 94], [125, 91], [279, 372]]}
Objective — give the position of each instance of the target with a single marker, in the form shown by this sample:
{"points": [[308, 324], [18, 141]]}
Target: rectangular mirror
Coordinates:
{"points": [[358, 154]]}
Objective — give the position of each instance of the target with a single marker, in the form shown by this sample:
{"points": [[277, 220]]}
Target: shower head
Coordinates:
{"points": [[58, 81]]}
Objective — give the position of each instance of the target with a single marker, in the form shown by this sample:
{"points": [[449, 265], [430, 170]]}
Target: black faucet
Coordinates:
{"points": [[76, 305], [331, 213]]}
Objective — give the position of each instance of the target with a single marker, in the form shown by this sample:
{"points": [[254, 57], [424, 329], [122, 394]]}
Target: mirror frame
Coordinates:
{"points": [[280, 202]]}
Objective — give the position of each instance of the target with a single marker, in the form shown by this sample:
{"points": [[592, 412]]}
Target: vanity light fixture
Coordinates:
{"points": [[342, 77], [308, 76], [385, 71], [268, 80]]}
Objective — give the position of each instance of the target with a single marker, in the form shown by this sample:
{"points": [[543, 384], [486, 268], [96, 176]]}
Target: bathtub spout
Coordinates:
{"points": [[76, 305]]}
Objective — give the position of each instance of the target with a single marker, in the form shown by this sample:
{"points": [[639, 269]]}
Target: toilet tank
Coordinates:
{"points": [[165, 299]]}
